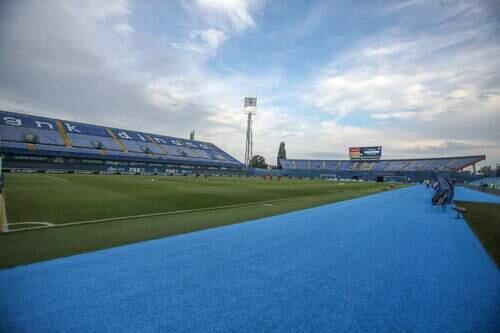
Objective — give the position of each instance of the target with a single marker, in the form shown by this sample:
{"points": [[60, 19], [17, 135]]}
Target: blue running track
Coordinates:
{"points": [[388, 263], [466, 194]]}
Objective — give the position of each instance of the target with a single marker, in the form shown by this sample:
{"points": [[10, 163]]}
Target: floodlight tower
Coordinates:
{"points": [[250, 109], [4, 227]]}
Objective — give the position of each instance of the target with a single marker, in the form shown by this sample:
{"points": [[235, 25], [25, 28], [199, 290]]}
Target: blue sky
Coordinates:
{"points": [[421, 78]]}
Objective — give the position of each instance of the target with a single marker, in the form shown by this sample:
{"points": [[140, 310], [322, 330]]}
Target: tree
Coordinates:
{"points": [[258, 162], [281, 154]]}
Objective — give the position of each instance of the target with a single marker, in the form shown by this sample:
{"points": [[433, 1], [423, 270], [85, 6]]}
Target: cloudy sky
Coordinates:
{"points": [[419, 77]]}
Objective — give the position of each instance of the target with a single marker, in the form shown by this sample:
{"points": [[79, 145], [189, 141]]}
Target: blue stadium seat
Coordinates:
{"points": [[331, 165], [142, 147], [395, 166], [89, 141], [25, 133], [429, 165], [18, 134]]}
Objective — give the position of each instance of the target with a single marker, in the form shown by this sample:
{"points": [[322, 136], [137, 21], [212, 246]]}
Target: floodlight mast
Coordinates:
{"points": [[250, 108], [4, 226]]}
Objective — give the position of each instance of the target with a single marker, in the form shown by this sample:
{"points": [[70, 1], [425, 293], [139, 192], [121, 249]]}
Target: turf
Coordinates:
{"points": [[484, 220], [42, 244], [483, 217], [70, 198], [386, 262]]}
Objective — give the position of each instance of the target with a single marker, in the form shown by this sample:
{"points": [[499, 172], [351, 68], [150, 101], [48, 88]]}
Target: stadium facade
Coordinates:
{"points": [[32, 143]]}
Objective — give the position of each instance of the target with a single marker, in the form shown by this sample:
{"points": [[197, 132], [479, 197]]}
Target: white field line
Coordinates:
{"points": [[146, 215], [44, 223], [57, 178]]}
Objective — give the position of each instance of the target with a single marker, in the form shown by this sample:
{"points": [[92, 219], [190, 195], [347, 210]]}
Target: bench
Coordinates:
{"points": [[460, 211]]}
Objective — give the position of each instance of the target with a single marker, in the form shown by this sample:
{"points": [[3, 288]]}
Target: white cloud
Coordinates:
{"points": [[212, 22], [90, 73], [212, 37], [420, 75], [425, 90], [417, 76], [123, 29], [400, 5], [104, 9], [235, 12], [205, 41], [395, 115], [405, 84]]}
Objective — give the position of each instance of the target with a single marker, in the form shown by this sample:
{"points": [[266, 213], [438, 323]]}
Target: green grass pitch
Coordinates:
{"points": [[60, 199], [484, 220]]}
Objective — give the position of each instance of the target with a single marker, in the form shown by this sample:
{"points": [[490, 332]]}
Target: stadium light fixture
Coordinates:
{"points": [[250, 105]]}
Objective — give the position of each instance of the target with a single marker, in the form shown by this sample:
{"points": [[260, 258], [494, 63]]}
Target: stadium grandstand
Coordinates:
{"points": [[411, 169], [32, 143], [40, 144]]}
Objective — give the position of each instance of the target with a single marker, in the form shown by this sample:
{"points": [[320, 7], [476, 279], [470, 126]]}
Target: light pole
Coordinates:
{"points": [[250, 109]]}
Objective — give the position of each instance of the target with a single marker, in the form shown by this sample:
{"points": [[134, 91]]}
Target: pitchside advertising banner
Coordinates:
{"points": [[365, 153]]}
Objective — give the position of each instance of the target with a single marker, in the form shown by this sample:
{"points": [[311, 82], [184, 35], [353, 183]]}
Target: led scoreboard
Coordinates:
{"points": [[365, 153]]}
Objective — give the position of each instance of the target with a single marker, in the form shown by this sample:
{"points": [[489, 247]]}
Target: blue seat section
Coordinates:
{"points": [[14, 145], [396, 166], [437, 164], [92, 153], [79, 128], [357, 166], [345, 166], [368, 165], [23, 120], [457, 163], [18, 134], [96, 141], [90, 141], [219, 153], [142, 147], [178, 151], [416, 165], [462, 163], [202, 153], [177, 146], [331, 165], [301, 164], [316, 164], [380, 166]]}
